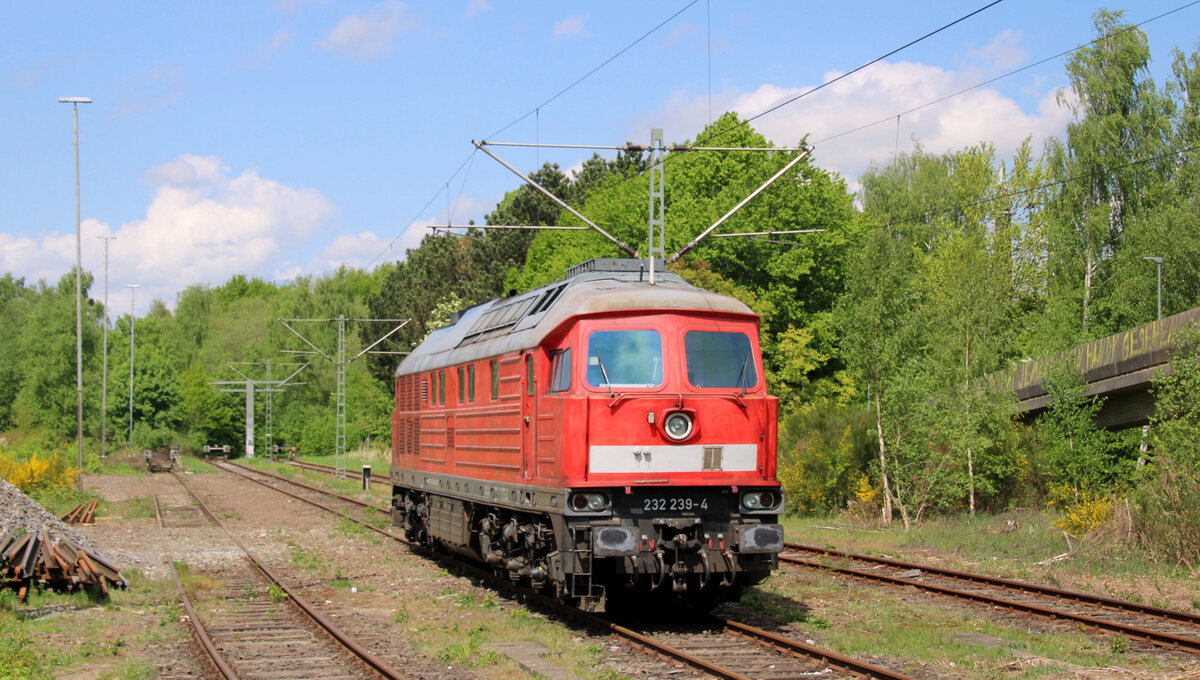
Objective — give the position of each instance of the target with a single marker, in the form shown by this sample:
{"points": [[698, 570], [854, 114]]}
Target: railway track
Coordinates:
{"points": [[253, 625], [722, 648], [317, 467], [1153, 625]]}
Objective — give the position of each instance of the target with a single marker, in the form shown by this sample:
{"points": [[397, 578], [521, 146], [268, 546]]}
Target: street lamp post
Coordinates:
{"points": [[75, 102], [104, 374], [1158, 265], [132, 315]]}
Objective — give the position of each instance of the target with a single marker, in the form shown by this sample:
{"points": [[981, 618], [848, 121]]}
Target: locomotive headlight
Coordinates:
{"points": [[678, 425], [588, 502], [759, 500]]}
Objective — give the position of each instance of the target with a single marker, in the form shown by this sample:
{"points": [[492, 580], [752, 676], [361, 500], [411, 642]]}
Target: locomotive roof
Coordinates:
{"points": [[521, 321]]}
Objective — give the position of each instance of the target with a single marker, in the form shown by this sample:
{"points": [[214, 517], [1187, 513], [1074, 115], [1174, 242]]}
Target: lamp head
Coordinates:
{"points": [[75, 100], [1155, 260]]}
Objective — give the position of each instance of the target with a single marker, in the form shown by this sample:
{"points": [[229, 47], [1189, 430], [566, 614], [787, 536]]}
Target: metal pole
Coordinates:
{"points": [[104, 373], [132, 316], [801, 156], [249, 418], [339, 448], [658, 220], [75, 102], [1158, 265], [546, 192]]}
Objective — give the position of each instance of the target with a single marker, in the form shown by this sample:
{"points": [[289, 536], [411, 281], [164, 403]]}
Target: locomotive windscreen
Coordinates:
{"points": [[625, 359], [719, 359]]}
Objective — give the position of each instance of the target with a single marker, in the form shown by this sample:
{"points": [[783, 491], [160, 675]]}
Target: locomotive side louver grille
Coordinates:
{"points": [[410, 425], [712, 457]]}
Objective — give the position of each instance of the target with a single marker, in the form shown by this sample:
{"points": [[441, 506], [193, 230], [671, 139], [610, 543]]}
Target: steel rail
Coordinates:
{"points": [[317, 467], [1156, 637], [1012, 584], [310, 488], [365, 656], [206, 643], [779, 642], [800, 649]]}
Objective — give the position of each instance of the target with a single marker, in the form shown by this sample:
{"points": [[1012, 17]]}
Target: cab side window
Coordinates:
{"points": [[560, 370]]}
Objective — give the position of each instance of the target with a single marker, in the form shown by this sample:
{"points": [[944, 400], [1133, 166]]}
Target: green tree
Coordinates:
{"points": [[1120, 118], [13, 309], [47, 397], [209, 417]]}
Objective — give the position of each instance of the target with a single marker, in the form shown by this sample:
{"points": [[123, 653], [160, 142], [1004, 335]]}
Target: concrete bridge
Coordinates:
{"points": [[1118, 368]]}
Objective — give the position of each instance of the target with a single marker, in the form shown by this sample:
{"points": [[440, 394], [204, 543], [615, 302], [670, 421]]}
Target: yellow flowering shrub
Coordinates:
{"points": [[37, 472], [1082, 510]]}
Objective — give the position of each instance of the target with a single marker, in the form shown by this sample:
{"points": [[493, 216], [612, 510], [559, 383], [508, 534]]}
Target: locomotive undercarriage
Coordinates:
{"points": [[590, 561]]}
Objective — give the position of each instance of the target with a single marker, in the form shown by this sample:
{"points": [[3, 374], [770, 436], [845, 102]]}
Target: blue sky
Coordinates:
{"points": [[284, 138]]}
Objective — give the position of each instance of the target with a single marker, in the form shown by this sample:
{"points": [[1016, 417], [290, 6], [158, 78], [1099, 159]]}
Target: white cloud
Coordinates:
{"points": [[352, 250], [1003, 52], [875, 95], [151, 90], [476, 6], [571, 27], [679, 32], [261, 55], [203, 225], [371, 34]]}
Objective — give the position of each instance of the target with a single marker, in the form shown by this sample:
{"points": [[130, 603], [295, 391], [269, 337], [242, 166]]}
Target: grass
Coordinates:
{"points": [[988, 544], [870, 622], [959, 639], [140, 507], [305, 559], [60, 634]]}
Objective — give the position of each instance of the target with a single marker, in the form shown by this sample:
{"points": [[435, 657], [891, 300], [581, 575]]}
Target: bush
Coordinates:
{"points": [[318, 438], [824, 452], [1169, 500], [37, 472], [147, 437], [1082, 511]]}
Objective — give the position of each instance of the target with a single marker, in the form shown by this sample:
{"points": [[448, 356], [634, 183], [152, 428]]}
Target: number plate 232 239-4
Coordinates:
{"points": [[673, 504]]}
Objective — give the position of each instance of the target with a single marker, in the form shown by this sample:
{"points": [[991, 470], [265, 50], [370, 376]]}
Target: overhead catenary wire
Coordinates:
{"points": [[960, 207], [851, 72], [933, 102], [535, 111], [1002, 76], [718, 134], [606, 62], [865, 65]]}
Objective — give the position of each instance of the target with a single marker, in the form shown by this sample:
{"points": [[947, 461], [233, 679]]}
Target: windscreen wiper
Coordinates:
{"points": [[741, 387], [604, 373]]}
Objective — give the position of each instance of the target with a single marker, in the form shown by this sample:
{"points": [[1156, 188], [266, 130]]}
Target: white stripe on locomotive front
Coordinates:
{"points": [[666, 458]]}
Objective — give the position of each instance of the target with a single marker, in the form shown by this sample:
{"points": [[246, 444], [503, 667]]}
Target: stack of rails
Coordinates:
{"points": [[36, 559], [84, 513], [39, 550]]}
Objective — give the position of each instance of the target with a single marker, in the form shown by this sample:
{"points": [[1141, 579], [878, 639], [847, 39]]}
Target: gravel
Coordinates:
{"points": [[21, 514]]}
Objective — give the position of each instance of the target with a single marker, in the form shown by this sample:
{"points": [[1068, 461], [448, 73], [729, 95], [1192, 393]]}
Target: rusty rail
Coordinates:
{"points": [[35, 559], [202, 637], [84, 513]]}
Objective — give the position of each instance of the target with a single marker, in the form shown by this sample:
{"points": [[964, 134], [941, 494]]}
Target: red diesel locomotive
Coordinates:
{"points": [[595, 437]]}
